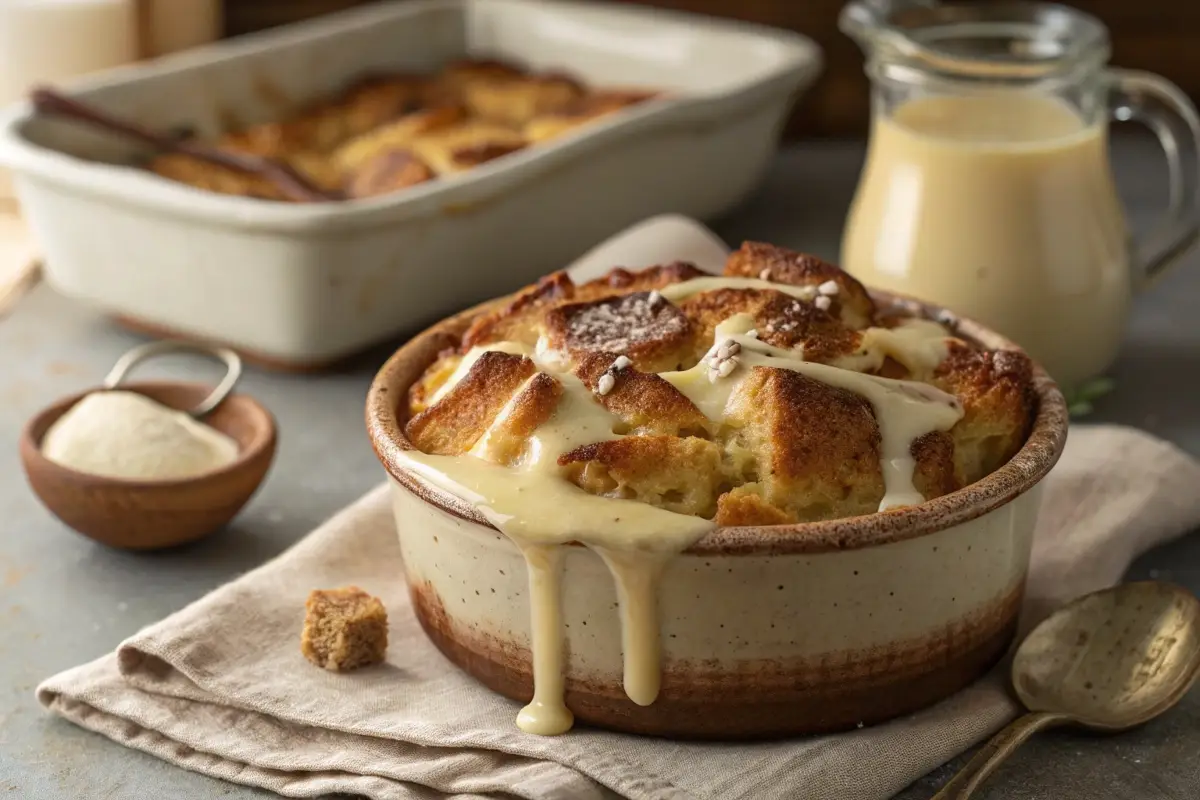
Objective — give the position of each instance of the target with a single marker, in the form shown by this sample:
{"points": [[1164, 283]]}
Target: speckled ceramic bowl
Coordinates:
{"points": [[766, 631]]}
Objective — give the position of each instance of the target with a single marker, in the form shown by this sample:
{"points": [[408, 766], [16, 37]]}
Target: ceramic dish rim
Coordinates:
{"points": [[1025, 470]]}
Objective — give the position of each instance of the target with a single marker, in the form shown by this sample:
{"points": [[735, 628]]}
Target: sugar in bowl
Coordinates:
{"points": [[147, 465]]}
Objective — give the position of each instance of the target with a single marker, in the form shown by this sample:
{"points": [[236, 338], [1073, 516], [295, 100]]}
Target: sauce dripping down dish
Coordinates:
{"points": [[724, 450]]}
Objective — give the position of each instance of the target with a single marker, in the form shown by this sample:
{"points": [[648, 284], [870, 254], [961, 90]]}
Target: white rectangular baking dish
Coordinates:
{"points": [[301, 286]]}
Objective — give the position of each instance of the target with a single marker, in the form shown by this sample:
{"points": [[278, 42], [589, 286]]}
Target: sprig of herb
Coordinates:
{"points": [[1079, 400]]}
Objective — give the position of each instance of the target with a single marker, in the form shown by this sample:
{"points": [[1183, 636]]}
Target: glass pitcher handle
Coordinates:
{"points": [[1163, 107]]}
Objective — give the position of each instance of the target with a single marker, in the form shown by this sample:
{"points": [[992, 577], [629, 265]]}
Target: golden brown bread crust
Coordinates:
{"points": [[388, 171], [516, 100], [395, 136], [532, 406], [678, 474], [516, 321], [646, 404], [451, 84], [781, 321], [523, 318], [452, 425], [620, 280], [386, 133], [581, 110], [816, 446], [996, 390], [780, 265], [789, 448], [468, 144], [186, 169], [344, 629], [653, 333]]}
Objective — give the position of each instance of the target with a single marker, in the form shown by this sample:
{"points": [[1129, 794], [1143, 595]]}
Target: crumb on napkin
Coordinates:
{"points": [[344, 629]]}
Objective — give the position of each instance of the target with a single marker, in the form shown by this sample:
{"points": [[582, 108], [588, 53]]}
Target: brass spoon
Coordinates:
{"points": [[1108, 661]]}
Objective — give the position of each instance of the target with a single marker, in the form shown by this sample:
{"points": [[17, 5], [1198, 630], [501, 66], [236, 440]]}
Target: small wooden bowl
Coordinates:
{"points": [[149, 515]]}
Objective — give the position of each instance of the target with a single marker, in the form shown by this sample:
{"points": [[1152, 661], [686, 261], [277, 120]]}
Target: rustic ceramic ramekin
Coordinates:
{"points": [[766, 631]]}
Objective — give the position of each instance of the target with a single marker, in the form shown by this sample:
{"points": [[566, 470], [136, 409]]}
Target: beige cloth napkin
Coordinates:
{"points": [[221, 687]]}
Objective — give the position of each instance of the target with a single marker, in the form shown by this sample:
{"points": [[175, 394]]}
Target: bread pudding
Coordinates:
{"points": [[387, 133], [636, 413], [749, 399]]}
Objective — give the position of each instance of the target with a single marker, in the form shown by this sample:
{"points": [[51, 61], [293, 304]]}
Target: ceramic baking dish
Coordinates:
{"points": [[766, 631], [305, 285]]}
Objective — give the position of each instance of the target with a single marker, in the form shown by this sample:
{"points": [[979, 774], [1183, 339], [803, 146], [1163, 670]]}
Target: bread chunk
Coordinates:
{"points": [[344, 629], [454, 424], [579, 111]]}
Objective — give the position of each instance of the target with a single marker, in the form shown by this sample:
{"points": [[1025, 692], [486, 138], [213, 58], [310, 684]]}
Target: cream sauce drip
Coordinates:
{"points": [[546, 713], [635, 539], [533, 504]]}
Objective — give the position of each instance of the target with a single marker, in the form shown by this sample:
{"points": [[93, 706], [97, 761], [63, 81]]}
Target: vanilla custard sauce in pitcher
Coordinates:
{"points": [[987, 187]]}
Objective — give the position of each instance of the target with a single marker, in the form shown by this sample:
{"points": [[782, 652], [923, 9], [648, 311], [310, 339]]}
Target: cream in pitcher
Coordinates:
{"points": [[987, 186]]}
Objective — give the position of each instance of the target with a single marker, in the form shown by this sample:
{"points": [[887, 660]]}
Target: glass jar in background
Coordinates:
{"points": [[168, 26], [987, 187], [49, 40], [52, 40]]}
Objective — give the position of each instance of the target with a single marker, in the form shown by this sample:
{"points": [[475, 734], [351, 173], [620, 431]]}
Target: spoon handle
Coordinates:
{"points": [[286, 178], [996, 751]]}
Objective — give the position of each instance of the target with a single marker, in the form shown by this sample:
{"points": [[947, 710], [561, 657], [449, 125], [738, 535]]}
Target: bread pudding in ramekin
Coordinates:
{"points": [[758, 504]]}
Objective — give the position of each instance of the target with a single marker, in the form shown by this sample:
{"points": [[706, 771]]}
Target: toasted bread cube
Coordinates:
{"points": [[344, 629]]}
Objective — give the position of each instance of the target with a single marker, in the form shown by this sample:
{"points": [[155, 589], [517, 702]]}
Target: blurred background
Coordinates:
{"points": [[1155, 35]]}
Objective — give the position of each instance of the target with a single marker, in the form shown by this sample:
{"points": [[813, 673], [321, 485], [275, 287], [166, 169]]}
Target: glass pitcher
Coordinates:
{"points": [[987, 187]]}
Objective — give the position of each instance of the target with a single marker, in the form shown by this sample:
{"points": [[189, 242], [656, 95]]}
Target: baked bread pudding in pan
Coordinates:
{"points": [[747, 457], [657, 349], [684, 504], [391, 132]]}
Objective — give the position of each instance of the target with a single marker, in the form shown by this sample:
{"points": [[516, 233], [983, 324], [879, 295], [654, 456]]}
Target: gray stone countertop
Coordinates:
{"points": [[65, 600]]}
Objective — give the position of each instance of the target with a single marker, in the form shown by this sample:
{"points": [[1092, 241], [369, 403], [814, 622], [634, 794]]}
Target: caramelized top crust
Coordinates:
{"points": [[781, 320], [580, 111], [645, 403], [521, 319], [455, 423], [787, 447], [388, 132], [641, 325], [780, 265]]}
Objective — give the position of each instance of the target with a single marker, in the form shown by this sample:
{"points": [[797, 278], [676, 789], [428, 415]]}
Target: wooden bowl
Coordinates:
{"points": [[149, 515]]}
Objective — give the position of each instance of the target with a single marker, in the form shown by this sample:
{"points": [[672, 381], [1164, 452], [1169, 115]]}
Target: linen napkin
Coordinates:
{"points": [[221, 687]]}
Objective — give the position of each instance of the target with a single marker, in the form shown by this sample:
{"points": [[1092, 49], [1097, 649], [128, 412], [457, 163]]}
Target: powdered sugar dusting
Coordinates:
{"points": [[619, 324]]}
